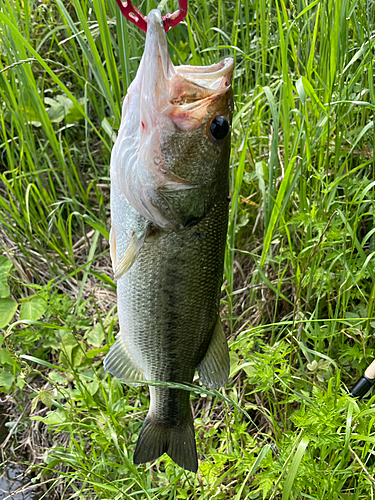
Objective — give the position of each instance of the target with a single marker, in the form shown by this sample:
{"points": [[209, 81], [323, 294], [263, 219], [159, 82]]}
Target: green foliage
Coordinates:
{"points": [[8, 307], [299, 292], [5, 267]]}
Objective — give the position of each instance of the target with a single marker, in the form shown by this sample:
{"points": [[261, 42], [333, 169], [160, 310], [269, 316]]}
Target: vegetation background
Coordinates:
{"points": [[299, 289]]}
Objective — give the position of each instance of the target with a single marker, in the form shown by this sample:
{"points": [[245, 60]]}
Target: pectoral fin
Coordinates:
{"points": [[214, 368], [120, 364], [130, 254]]}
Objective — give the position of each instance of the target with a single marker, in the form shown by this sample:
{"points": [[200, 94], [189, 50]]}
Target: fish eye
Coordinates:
{"points": [[219, 128]]}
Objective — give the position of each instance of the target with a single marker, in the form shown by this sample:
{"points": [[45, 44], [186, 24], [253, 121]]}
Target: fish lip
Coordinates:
{"points": [[156, 49], [215, 77]]}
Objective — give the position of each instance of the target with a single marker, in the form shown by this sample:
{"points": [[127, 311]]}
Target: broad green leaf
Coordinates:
{"points": [[6, 379], [51, 342], [5, 267], [34, 404], [69, 340], [234, 362], [96, 336], [58, 378], [74, 114], [7, 309], [5, 358], [182, 493], [78, 355], [56, 113], [92, 387], [72, 352], [46, 397], [59, 108], [20, 382], [100, 439], [33, 309], [53, 418]]}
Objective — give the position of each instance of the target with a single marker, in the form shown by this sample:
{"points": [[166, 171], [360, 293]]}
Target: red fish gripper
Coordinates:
{"points": [[170, 20]]}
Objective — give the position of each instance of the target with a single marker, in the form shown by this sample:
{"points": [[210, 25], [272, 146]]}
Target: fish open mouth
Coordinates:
{"points": [[183, 87]]}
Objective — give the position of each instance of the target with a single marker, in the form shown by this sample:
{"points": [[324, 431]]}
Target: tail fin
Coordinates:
{"points": [[178, 442]]}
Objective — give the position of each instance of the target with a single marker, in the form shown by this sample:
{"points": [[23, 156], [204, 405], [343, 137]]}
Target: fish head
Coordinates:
{"points": [[171, 158]]}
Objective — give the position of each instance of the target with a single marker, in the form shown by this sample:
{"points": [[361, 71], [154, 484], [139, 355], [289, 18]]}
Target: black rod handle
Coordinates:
{"points": [[365, 383]]}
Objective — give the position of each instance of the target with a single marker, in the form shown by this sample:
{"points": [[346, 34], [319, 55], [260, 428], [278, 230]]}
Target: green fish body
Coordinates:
{"points": [[169, 210]]}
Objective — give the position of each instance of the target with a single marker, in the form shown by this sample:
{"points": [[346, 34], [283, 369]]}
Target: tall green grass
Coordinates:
{"points": [[299, 293]]}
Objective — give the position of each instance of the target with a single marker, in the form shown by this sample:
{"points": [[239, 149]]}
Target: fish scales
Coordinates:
{"points": [[173, 290], [169, 211]]}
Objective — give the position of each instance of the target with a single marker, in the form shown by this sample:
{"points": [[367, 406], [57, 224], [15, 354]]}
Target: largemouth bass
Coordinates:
{"points": [[169, 210]]}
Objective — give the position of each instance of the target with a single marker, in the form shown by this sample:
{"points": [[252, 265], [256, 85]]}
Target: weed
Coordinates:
{"points": [[299, 295]]}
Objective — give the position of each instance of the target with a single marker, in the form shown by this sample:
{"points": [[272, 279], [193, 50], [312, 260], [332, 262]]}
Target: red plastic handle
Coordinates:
{"points": [[170, 20]]}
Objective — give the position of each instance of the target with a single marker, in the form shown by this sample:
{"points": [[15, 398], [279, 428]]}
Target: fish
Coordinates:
{"points": [[169, 214]]}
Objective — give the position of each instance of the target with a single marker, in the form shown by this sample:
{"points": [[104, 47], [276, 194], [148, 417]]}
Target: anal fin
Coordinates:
{"points": [[214, 368], [120, 364]]}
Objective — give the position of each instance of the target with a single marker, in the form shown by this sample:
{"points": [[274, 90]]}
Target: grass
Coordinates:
{"points": [[299, 291]]}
